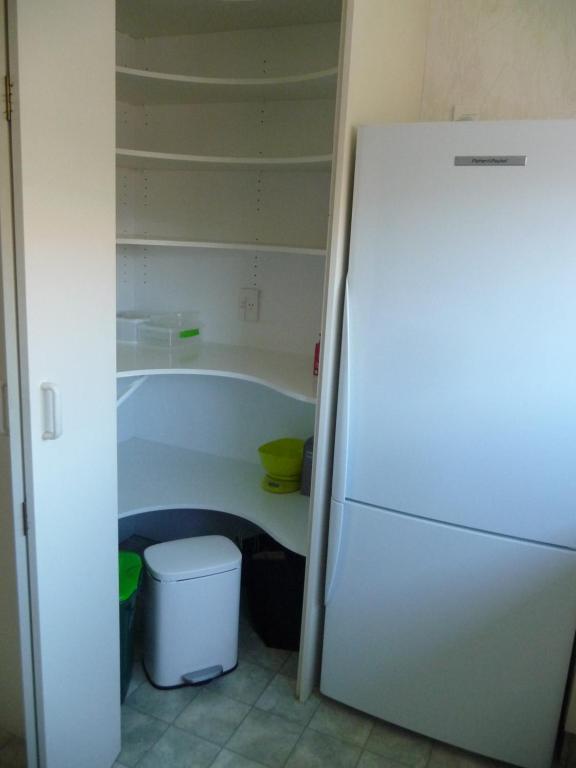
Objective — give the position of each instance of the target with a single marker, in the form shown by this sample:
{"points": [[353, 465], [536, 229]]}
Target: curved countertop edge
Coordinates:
{"points": [[286, 391], [273, 532]]}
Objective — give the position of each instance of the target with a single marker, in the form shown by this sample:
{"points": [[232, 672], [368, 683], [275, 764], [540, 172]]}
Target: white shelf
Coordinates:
{"points": [[169, 161], [154, 476], [289, 374], [202, 245], [159, 17], [139, 86]]}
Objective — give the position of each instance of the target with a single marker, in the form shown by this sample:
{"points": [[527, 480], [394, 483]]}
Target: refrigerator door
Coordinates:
{"points": [[461, 364], [463, 636]]}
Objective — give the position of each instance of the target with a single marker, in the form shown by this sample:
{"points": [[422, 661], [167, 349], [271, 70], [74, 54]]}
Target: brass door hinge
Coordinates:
{"points": [[8, 97]]}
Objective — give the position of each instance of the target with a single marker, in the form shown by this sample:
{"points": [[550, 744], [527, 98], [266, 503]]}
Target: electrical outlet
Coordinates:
{"points": [[464, 113], [249, 304]]}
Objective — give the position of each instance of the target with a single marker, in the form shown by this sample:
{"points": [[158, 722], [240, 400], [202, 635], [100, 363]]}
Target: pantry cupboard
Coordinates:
{"points": [[227, 178], [224, 155]]}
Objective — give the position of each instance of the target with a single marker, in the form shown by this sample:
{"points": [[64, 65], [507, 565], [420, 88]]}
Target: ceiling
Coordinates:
{"points": [[154, 18]]}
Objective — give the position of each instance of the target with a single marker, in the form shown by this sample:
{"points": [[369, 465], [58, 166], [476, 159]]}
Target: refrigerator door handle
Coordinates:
{"points": [[334, 547], [343, 408]]}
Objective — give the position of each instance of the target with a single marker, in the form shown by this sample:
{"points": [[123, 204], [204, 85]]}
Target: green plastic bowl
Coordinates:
{"points": [[282, 459]]}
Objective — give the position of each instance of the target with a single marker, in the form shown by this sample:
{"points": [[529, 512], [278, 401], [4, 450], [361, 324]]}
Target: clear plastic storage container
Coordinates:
{"points": [[171, 329], [127, 324]]}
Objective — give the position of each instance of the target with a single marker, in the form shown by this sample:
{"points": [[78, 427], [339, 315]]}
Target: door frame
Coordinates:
{"points": [[8, 304]]}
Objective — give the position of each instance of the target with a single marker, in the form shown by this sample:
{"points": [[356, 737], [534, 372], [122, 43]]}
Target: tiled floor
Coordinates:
{"points": [[250, 718]]}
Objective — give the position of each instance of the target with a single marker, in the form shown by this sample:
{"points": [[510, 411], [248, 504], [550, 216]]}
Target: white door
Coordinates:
{"points": [[62, 62], [17, 715]]}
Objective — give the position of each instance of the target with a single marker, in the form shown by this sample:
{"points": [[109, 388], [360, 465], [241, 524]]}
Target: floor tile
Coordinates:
{"points": [[228, 759], [370, 760], [280, 699], [137, 677], [138, 641], [13, 753], [244, 620], [448, 757], [245, 683], [165, 705], [177, 749], [290, 666], [139, 733], [568, 752], [213, 716], [266, 738], [316, 750], [407, 748], [342, 722], [253, 649]]}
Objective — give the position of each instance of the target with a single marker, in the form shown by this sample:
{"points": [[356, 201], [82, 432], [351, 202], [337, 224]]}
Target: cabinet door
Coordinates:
{"points": [[62, 60]]}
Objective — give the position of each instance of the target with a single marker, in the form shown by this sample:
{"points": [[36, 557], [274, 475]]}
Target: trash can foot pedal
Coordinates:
{"points": [[203, 675]]}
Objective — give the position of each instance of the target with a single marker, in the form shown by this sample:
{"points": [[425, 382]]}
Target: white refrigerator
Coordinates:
{"points": [[451, 577]]}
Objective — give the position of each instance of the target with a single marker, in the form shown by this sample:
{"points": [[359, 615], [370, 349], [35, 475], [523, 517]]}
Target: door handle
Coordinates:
{"points": [[52, 407], [343, 408], [334, 548]]}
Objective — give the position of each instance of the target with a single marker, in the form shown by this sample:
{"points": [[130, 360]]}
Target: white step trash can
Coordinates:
{"points": [[192, 589]]}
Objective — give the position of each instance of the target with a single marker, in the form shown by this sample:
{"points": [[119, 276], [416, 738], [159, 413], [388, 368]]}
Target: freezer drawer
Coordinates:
{"points": [[460, 635]]}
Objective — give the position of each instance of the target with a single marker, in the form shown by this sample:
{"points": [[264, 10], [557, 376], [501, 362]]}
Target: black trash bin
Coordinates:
{"points": [[130, 574], [275, 590]]}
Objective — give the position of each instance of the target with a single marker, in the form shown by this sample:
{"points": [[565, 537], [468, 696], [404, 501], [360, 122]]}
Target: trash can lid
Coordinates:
{"points": [[192, 558], [129, 567]]}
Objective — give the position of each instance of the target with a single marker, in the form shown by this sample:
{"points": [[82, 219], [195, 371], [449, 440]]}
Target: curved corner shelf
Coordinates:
{"points": [[203, 245], [153, 476], [288, 374], [125, 388], [170, 161], [140, 86]]}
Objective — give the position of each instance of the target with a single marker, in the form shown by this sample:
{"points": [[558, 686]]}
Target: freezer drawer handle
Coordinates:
{"points": [[334, 547], [52, 407]]}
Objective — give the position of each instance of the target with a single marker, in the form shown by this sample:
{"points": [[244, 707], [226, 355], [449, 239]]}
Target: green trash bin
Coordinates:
{"points": [[130, 574]]}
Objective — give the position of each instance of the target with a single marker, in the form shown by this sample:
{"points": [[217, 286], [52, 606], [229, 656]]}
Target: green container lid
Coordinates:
{"points": [[129, 568]]}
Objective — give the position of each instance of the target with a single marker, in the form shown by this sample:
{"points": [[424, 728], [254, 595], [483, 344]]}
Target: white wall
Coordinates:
{"points": [[502, 59]]}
